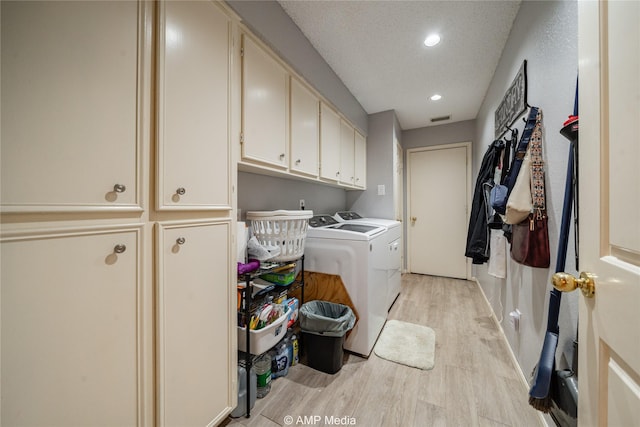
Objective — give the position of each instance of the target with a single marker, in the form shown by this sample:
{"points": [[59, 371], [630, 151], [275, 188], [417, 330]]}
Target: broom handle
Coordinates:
{"points": [[556, 295], [570, 198]]}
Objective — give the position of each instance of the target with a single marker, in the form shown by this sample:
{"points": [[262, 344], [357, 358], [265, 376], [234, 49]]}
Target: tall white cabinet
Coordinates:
{"points": [[195, 311], [117, 208]]}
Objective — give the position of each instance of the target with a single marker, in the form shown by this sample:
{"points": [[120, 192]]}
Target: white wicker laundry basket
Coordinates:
{"points": [[284, 229]]}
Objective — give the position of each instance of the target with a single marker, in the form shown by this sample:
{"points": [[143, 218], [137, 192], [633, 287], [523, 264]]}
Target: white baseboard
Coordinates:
{"points": [[543, 420]]}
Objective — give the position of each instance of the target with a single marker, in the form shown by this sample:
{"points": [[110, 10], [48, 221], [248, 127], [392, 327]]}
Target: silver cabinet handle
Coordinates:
{"points": [[119, 248], [119, 188], [180, 240], [181, 191]]}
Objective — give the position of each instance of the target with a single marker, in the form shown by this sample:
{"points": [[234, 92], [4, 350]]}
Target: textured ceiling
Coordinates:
{"points": [[377, 50]]}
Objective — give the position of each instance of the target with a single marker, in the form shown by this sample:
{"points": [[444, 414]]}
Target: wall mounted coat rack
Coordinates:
{"points": [[513, 104]]}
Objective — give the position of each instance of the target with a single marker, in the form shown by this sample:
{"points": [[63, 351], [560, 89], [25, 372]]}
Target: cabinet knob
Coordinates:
{"points": [[119, 248], [282, 156], [180, 240], [119, 188], [181, 191], [297, 162], [338, 173]]}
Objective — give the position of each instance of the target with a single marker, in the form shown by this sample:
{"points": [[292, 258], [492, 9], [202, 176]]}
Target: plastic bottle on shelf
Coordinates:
{"points": [[289, 346], [262, 366], [280, 360], [294, 350], [241, 409]]}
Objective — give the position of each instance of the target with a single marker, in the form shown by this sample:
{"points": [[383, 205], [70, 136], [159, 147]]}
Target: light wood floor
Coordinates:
{"points": [[474, 381]]}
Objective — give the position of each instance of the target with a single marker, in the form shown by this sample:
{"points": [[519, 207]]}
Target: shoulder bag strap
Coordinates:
{"points": [[537, 169], [521, 149]]}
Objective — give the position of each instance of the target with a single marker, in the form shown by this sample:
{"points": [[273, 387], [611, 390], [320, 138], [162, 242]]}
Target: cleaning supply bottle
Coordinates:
{"points": [[294, 350], [263, 372]]}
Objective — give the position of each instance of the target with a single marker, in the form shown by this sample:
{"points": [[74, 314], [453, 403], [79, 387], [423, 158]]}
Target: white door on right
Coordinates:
{"points": [[609, 155]]}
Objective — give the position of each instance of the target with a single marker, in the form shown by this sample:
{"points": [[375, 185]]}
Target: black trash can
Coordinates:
{"points": [[324, 325]]}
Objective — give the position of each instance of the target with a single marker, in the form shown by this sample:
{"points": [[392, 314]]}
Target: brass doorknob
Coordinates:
{"points": [[413, 219], [566, 283]]}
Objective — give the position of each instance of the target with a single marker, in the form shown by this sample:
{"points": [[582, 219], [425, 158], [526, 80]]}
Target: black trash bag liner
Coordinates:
{"points": [[326, 318]]}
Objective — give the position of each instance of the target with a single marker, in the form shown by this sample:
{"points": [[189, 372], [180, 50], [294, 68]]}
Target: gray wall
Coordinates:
{"points": [[441, 134], [260, 192], [545, 34], [379, 169]]}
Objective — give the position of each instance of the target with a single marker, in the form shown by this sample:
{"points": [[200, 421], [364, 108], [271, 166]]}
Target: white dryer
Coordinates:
{"points": [[355, 252], [393, 236]]}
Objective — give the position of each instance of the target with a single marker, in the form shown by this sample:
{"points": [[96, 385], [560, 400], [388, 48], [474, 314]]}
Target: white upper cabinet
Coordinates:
{"points": [[193, 157], [329, 143], [305, 129], [73, 78], [347, 153], [360, 161], [264, 106]]}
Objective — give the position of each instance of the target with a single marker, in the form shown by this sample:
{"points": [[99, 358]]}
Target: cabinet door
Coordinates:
{"points": [[193, 114], [305, 129], [197, 341], [73, 79], [72, 335], [347, 153], [329, 143], [264, 107], [360, 167]]}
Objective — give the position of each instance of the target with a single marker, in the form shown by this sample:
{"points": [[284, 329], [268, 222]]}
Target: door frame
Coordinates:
{"points": [[468, 146]]}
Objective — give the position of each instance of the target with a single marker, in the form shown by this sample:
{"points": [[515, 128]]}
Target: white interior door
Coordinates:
{"points": [[609, 150], [439, 189]]}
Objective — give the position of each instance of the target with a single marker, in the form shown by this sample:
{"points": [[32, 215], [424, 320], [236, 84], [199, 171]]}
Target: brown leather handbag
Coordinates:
{"points": [[530, 238], [530, 242]]}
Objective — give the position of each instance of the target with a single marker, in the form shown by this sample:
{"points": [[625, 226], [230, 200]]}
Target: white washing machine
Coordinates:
{"points": [[394, 248], [355, 252]]}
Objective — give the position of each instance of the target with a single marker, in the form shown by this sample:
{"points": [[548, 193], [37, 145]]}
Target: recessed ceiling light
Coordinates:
{"points": [[436, 97], [432, 40]]}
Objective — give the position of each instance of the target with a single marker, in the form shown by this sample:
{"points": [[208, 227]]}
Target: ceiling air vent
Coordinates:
{"points": [[441, 118]]}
